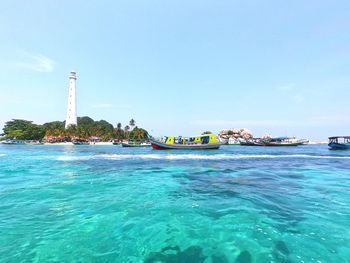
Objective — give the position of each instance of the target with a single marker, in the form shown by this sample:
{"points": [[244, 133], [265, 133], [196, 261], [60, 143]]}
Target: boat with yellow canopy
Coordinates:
{"points": [[202, 142]]}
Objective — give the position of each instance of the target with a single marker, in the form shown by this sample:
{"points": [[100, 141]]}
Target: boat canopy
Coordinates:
{"points": [[342, 139], [334, 137], [201, 139], [277, 139]]}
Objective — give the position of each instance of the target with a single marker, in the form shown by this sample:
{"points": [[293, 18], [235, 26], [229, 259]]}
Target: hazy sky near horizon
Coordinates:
{"points": [[181, 67]]}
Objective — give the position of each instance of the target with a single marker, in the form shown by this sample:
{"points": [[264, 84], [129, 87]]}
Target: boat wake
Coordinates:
{"points": [[194, 157]]}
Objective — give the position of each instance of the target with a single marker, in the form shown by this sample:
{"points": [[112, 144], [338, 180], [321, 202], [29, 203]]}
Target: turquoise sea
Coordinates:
{"points": [[114, 204]]}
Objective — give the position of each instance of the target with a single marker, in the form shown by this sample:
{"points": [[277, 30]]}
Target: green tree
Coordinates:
{"points": [[16, 124], [119, 133], [126, 131], [23, 130], [55, 128], [103, 129], [132, 123], [34, 132], [85, 120], [87, 127], [139, 134], [71, 131], [16, 134]]}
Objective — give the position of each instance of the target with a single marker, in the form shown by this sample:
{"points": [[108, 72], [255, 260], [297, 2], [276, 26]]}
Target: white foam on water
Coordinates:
{"points": [[212, 157], [2, 154], [194, 157], [68, 158]]}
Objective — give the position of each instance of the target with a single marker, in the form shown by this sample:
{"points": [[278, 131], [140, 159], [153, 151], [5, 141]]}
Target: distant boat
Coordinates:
{"points": [[203, 142], [234, 141], [223, 140], [252, 142], [136, 144], [278, 141], [13, 142], [115, 142], [33, 142], [284, 141], [339, 142], [80, 142]]}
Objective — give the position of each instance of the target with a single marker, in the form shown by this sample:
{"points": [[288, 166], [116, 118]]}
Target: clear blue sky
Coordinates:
{"points": [[181, 67]]}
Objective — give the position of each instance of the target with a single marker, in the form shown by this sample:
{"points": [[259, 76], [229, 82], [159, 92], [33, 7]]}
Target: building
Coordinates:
{"points": [[71, 118]]}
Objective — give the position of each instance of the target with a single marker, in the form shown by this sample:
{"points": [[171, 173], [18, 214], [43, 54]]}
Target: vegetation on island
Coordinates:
{"points": [[86, 128], [23, 130]]}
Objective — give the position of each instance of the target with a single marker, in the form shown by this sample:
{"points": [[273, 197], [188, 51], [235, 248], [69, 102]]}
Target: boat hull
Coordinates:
{"points": [[81, 143], [135, 145], [13, 142], [339, 146], [251, 144], [282, 144], [162, 146], [271, 144]]}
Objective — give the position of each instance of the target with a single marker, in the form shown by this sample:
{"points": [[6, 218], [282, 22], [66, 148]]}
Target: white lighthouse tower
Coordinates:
{"points": [[71, 118]]}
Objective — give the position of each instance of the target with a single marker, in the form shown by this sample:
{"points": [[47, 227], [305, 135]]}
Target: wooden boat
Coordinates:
{"points": [[339, 142], [116, 142], [136, 144], [278, 141], [253, 142], [283, 141], [223, 140], [80, 142], [304, 142], [13, 142], [33, 142], [203, 142]]}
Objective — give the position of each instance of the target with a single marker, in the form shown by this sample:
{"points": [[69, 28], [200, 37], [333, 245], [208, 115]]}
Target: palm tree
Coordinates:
{"points": [[126, 131], [119, 126], [132, 123]]}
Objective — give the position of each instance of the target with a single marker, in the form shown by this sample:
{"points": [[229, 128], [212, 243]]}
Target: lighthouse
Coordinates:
{"points": [[71, 118]]}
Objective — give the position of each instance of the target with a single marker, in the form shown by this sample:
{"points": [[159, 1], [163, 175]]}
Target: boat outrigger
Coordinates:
{"points": [[203, 142], [339, 142]]}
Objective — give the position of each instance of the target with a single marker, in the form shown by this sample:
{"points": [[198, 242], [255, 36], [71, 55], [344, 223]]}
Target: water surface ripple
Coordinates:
{"points": [[114, 204]]}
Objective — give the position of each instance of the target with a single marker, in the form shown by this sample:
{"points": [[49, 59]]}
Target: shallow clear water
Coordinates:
{"points": [[114, 204]]}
